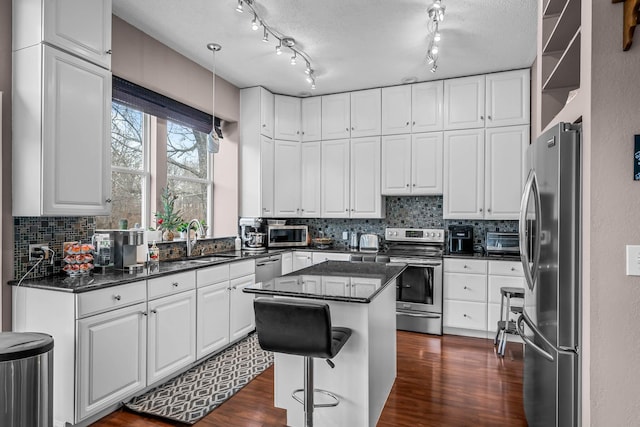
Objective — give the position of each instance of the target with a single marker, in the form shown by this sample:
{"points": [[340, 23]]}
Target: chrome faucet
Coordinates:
{"points": [[199, 230]]}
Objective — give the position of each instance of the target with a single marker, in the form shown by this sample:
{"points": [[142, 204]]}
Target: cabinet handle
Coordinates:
{"points": [[489, 117], [465, 287], [465, 315], [302, 210], [407, 185], [414, 123], [109, 52], [352, 128], [153, 311], [407, 124], [264, 126], [303, 132], [346, 210], [481, 117], [347, 129], [465, 266], [298, 132], [117, 297], [351, 209], [480, 209], [108, 201], [513, 269], [488, 209], [144, 313], [414, 185], [175, 284]]}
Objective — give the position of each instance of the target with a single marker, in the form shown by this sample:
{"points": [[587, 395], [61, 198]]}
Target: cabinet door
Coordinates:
{"points": [[242, 317], [365, 113], [463, 174], [396, 110], [366, 197], [266, 175], [76, 139], [464, 103], [212, 327], [312, 119], [426, 106], [80, 27], [336, 116], [464, 315], [508, 98], [287, 118], [426, 163], [301, 260], [310, 179], [172, 335], [336, 286], [111, 358], [311, 284], [266, 113], [286, 185], [287, 263], [335, 179], [396, 165], [504, 166], [363, 287]]}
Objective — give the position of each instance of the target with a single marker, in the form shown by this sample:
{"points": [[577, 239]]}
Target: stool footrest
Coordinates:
{"points": [[317, 405]]}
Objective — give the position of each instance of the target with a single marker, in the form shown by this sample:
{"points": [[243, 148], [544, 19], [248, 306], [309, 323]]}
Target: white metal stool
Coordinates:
{"points": [[506, 326]]}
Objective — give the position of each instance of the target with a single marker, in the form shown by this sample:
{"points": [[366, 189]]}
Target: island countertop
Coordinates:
{"points": [[358, 282]]}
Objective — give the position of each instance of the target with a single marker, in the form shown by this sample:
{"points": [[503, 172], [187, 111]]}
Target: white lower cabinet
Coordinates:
{"points": [[301, 259], [472, 294], [212, 326], [242, 319], [112, 349], [287, 263]]}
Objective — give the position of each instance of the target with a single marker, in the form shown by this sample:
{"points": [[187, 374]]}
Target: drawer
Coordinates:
{"points": [[211, 275], [497, 282], [172, 284], [506, 268], [242, 268], [319, 257], [465, 315], [466, 287], [473, 266], [106, 299]]}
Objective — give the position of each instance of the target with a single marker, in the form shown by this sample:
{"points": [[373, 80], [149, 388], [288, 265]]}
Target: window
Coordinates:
{"points": [[188, 166], [129, 168]]}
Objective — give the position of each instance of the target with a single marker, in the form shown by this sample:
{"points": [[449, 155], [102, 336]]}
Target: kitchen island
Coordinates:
{"points": [[361, 296]]}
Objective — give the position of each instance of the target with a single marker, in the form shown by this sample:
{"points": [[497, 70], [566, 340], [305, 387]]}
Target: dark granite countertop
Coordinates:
{"points": [[370, 279]]}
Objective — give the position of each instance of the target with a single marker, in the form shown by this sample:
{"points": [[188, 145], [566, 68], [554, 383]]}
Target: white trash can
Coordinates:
{"points": [[26, 379]]}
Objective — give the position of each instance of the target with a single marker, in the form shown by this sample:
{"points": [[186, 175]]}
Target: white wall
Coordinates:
{"points": [[6, 228], [614, 221]]}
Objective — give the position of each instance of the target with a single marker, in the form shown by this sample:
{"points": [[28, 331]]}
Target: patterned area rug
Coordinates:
{"points": [[192, 395]]}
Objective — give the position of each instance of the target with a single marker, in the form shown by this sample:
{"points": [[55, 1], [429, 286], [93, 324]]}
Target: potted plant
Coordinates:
{"points": [[182, 228], [169, 218]]}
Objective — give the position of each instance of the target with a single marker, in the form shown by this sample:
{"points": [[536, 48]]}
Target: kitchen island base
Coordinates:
{"points": [[364, 372]]}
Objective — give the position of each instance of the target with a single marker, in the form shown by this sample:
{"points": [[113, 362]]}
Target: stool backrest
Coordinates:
{"points": [[293, 327]]}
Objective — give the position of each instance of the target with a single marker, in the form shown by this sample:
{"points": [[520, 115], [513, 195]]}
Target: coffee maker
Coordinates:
{"points": [[461, 239], [124, 252]]}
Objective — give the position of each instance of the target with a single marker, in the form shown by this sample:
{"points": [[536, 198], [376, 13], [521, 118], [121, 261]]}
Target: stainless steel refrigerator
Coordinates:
{"points": [[550, 324]]}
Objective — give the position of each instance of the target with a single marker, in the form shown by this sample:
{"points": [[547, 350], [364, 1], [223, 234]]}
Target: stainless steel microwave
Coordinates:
{"points": [[285, 236]]}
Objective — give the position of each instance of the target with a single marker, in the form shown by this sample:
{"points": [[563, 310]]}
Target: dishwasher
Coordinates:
{"points": [[268, 268]]}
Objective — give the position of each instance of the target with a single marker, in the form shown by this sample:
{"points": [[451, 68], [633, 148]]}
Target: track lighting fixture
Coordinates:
{"points": [[283, 41], [435, 14]]}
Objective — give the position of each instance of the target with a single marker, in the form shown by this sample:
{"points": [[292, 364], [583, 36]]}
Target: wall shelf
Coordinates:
{"points": [[566, 72], [565, 27]]}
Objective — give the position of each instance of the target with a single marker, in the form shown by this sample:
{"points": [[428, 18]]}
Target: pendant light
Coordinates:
{"points": [[213, 143]]}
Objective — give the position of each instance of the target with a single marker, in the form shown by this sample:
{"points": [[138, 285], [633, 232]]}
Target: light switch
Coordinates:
{"points": [[633, 260]]}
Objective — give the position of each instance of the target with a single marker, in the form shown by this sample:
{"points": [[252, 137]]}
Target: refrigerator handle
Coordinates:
{"points": [[530, 188], [526, 339]]}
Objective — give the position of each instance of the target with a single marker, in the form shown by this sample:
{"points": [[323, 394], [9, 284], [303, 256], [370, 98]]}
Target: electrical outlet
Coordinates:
{"points": [[35, 248]]}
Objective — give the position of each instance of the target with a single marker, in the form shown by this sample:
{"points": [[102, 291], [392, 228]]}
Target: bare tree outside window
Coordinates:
{"points": [[127, 165], [187, 169]]}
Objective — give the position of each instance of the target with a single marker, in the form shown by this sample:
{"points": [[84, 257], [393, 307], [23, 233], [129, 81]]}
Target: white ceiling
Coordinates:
{"points": [[353, 44]]}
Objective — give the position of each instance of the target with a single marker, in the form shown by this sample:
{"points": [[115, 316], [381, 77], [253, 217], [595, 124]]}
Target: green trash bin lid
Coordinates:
{"points": [[20, 345]]}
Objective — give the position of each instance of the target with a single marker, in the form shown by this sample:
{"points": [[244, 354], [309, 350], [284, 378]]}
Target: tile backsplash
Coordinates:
{"points": [[416, 212], [408, 212]]}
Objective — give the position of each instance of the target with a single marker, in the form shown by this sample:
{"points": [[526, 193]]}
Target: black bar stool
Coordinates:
{"points": [[506, 326], [302, 329]]}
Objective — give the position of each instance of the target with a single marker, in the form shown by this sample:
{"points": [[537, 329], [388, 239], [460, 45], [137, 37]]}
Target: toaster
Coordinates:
{"points": [[369, 242]]}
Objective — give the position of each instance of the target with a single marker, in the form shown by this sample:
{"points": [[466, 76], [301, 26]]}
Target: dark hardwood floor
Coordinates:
{"points": [[442, 381]]}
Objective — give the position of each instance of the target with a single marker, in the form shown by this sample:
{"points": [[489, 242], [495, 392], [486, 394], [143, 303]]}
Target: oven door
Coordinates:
{"points": [[419, 296]]}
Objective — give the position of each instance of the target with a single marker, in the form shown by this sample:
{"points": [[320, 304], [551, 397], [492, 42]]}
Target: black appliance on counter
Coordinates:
{"points": [[461, 239]]}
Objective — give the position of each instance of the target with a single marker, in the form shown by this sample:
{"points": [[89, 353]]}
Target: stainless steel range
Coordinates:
{"points": [[419, 288]]}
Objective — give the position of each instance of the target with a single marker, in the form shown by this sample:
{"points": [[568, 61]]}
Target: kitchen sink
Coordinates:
{"points": [[208, 260]]}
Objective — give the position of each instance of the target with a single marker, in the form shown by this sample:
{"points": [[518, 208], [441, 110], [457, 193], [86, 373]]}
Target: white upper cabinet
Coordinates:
{"points": [[464, 103], [504, 170], [287, 118], [286, 183], [335, 178], [266, 112], [267, 172], [365, 113], [412, 164], [312, 119], [396, 110], [80, 27], [61, 134], [336, 116], [426, 106], [508, 97], [366, 199], [310, 179], [464, 174]]}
